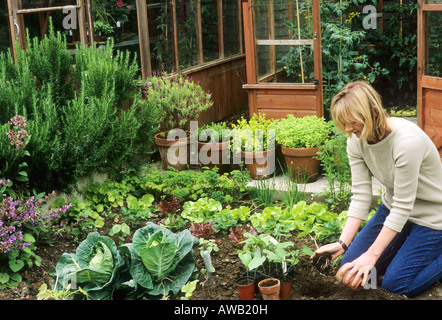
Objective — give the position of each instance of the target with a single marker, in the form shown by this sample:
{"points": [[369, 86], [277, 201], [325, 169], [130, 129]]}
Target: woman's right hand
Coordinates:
{"points": [[335, 249]]}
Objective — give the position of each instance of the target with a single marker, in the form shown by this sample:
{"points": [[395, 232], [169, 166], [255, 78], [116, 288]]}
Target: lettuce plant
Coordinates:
{"points": [[200, 210], [161, 261], [96, 267]]}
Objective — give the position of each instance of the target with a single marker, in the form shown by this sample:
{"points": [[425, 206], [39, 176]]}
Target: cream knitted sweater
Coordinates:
{"points": [[408, 165]]}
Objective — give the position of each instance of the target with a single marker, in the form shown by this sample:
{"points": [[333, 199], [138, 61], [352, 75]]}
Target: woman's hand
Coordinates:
{"points": [[355, 273], [335, 249]]}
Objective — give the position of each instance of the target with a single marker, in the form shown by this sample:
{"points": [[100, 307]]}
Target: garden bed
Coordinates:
{"points": [[308, 283]]}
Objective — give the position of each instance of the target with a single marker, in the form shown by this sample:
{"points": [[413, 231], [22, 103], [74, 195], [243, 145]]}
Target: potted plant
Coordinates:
{"points": [[255, 139], [300, 139], [246, 284], [214, 145], [178, 100], [278, 257]]}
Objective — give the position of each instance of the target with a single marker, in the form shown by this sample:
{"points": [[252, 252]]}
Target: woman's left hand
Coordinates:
{"points": [[355, 273]]}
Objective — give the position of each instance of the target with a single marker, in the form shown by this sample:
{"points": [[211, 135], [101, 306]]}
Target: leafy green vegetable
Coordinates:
{"points": [[202, 209], [95, 266], [303, 218], [161, 261]]}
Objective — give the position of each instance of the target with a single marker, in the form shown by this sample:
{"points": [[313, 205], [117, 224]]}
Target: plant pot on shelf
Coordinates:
{"points": [[259, 163], [269, 288], [302, 165], [214, 155], [246, 288], [174, 153]]}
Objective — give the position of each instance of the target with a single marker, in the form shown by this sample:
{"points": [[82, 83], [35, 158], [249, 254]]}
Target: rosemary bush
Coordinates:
{"points": [[75, 121]]}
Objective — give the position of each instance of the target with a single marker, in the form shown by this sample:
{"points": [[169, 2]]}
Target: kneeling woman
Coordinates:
{"points": [[403, 240]]}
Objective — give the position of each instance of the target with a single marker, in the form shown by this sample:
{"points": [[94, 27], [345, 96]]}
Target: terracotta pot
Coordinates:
{"points": [[286, 290], [259, 163], [269, 288], [214, 151], [301, 164], [174, 153], [246, 288]]}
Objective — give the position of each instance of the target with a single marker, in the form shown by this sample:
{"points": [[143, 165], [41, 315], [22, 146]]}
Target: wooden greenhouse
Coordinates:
{"points": [[429, 95], [283, 54], [202, 38], [260, 54]]}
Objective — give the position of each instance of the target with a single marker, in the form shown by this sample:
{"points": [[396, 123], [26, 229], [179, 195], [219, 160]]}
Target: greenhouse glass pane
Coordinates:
{"points": [[230, 24], [186, 29], [209, 22], [4, 33], [434, 44], [160, 35], [283, 37]]}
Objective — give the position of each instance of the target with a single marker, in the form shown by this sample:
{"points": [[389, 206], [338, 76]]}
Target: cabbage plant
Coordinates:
{"points": [[95, 267], [161, 261]]}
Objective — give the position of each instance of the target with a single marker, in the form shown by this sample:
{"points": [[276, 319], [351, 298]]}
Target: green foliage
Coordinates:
{"points": [[303, 218], [12, 263], [191, 185], [96, 267], [334, 161], [178, 99], [343, 43], [51, 63], [228, 218], [201, 210], [214, 131], [304, 132], [160, 261], [255, 134], [104, 70], [397, 54], [75, 123]]}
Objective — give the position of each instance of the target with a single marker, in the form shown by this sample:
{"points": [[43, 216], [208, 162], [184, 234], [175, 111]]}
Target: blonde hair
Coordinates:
{"points": [[358, 101]]}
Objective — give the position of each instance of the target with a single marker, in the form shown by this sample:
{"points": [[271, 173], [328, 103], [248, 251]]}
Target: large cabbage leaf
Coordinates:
{"points": [[161, 261], [95, 267]]}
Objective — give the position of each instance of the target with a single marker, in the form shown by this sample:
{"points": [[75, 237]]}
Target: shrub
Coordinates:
{"points": [[178, 99], [75, 122]]}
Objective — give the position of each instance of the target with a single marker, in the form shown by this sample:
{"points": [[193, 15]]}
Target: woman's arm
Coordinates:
{"points": [[361, 267]]}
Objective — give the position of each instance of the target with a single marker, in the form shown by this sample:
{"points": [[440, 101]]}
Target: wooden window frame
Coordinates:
{"points": [[143, 32], [17, 26]]}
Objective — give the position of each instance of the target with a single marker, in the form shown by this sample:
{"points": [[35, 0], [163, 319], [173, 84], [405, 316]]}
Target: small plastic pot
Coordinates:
{"points": [[246, 288]]}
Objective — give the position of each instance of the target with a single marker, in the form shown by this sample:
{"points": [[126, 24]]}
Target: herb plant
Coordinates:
{"points": [[178, 98], [305, 132], [253, 135]]}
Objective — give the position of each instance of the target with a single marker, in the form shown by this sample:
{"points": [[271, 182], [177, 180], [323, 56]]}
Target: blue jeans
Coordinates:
{"points": [[411, 262]]}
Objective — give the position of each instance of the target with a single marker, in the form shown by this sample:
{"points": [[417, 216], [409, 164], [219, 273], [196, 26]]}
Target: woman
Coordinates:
{"points": [[403, 240]]}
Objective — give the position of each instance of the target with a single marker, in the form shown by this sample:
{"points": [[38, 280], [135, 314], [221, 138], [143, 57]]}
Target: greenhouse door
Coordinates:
{"points": [[283, 57], [72, 16], [429, 59]]}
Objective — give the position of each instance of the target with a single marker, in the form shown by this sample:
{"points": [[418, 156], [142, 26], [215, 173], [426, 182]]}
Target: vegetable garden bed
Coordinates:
{"points": [[308, 282]]}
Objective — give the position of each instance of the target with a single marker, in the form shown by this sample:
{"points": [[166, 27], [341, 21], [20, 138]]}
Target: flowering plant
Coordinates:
{"points": [[21, 219], [178, 99]]}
